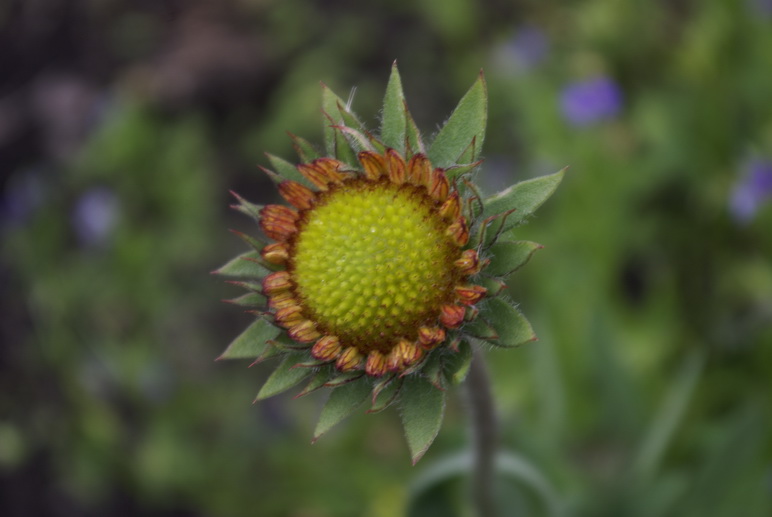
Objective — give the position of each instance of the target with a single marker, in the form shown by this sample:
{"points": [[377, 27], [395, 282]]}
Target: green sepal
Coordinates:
{"points": [[432, 370], [393, 119], [512, 328], [494, 286], [344, 378], [286, 343], [457, 171], [306, 150], [385, 392], [506, 257], [318, 381], [284, 376], [335, 141], [343, 401], [466, 123], [255, 287], [287, 170], [358, 141], [252, 342], [250, 299], [423, 407], [245, 265], [456, 366], [413, 142], [247, 208], [251, 241], [270, 351], [480, 329], [524, 198]]}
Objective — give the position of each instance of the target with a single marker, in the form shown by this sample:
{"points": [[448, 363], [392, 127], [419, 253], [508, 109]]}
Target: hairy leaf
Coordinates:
{"points": [[252, 342], [524, 198], [466, 123], [394, 121], [244, 266], [423, 407], [512, 328], [506, 257], [343, 401], [284, 376]]}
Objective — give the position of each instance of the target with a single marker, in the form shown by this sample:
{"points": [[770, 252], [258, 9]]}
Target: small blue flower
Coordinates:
{"points": [[95, 216], [590, 101], [752, 190]]}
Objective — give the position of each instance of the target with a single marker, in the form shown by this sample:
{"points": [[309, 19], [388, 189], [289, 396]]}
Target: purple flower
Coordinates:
{"points": [[95, 215], [752, 190], [590, 101]]}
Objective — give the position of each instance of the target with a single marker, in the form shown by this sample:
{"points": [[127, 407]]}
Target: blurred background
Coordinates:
{"points": [[124, 124]]}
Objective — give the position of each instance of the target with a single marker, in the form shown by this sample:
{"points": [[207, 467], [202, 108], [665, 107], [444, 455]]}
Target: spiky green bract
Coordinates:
{"points": [[487, 247]]}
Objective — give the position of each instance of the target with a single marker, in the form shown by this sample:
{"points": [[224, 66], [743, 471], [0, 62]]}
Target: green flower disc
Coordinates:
{"points": [[371, 263]]}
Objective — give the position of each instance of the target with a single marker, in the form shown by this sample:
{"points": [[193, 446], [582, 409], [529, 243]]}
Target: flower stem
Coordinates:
{"points": [[484, 435]]}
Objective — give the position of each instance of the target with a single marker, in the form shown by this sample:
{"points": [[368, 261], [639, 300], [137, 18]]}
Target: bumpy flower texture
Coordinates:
{"points": [[385, 265]]}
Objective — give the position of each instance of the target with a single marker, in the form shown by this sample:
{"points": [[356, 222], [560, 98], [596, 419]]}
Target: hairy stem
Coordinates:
{"points": [[484, 435]]}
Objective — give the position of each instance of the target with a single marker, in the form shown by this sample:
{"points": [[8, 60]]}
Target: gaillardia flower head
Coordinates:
{"points": [[385, 266]]}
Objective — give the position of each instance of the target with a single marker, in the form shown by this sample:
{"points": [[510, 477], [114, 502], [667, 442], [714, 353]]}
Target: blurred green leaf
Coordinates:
{"points": [[466, 123], [284, 376], [252, 342], [422, 406], [506, 257]]}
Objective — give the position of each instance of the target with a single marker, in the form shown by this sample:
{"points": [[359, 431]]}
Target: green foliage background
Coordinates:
{"points": [[648, 393]]}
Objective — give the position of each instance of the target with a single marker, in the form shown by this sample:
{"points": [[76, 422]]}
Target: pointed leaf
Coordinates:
{"points": [[318, 381], [422, 406], [306, 151], [459, 170], [507, 257], [287, 170], [334, 140], [252, 342], [494, 286], [244, 266], [512, 328], [413, 142], [284, 376], [394, 121], [247, 208], [524, 197], [480, 329], [466, 123], [343, 401], [248, 300], [344, 378]]}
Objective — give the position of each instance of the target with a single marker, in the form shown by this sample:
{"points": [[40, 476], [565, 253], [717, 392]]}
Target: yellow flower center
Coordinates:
{"points": [[372, 262]]}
